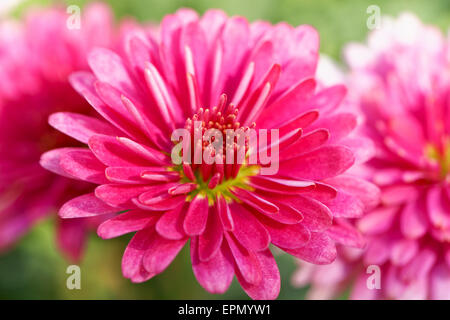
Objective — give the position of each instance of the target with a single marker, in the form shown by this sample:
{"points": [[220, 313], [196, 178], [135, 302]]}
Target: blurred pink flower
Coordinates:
{"points": [[36, 58], [401, 83], [230, 212]]}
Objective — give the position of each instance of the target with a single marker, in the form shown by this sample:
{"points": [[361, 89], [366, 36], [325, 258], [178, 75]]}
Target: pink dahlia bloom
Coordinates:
{"points": [[36, 58], [401, 83], [223, 73]]}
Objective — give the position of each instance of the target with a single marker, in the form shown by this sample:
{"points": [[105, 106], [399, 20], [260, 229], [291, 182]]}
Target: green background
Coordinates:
{"points": [[34, 269]]}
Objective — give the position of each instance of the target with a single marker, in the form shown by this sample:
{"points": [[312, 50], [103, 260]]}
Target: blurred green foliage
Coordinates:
{"points": [[34, 269]]}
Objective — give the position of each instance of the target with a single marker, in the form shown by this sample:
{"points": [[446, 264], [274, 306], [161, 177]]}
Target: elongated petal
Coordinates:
{"points": [[325, 162], [71, 236], [269, 287], [196, 217], [87, 205], [289, 236], [319, 250], [129, 175], [282, 186], [255, 201], [161, 252], [134, 253], [83, 165], [413, 222], [316, 216], [245, 260], [224, 213], [216, 274], [210, 240], [121, 194], [50, 160], [346, 234], [285, 106], [248, 230], [170, 225], [127, 222], [79, 126], [109, 67]]}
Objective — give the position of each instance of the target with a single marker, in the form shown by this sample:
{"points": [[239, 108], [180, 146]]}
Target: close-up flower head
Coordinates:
{"points": [[222, 73], [36, 58], [400, 81]]}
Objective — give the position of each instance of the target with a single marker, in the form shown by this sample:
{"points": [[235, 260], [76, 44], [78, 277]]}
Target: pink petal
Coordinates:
{"points": [[290, 236], [71, 235], [134, 253], [87, 205], [316, 216], [345, 206], [216, 274], [50, 160], [284, 107], [286, 214], [84, 84], [344, 233], [83, 165], [378, 220], [413, 222], [440, 282], [339, 125], [161, 202], [322, 192], [210, 240], [79, 126], [319, 250], [224, 213], [161, 252], [114, 154], [282, 186], [302, 121], [109, 67], [398, 194], [253, 200], [269, 286], [420, 266], [127, 222], [403, 251], [328, 99], [438, 208], [305, 144], [129, 175], [245, 260], [325, 162], [170, 225], [365, 191], [362, 148], [120, 194], [196, 216], [248, 230]]}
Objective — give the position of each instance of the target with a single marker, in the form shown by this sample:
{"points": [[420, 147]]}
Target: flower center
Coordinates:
{"points": [[440, 155], [216, 134]]}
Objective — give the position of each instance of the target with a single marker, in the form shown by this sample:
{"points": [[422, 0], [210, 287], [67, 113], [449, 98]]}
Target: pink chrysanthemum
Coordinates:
{"points": [[225, 73], [401, 83], [36, 58]]}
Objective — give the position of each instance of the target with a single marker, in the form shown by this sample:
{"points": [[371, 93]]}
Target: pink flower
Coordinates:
{"points": [[225, 73], [36, 58], [401, 83]]}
